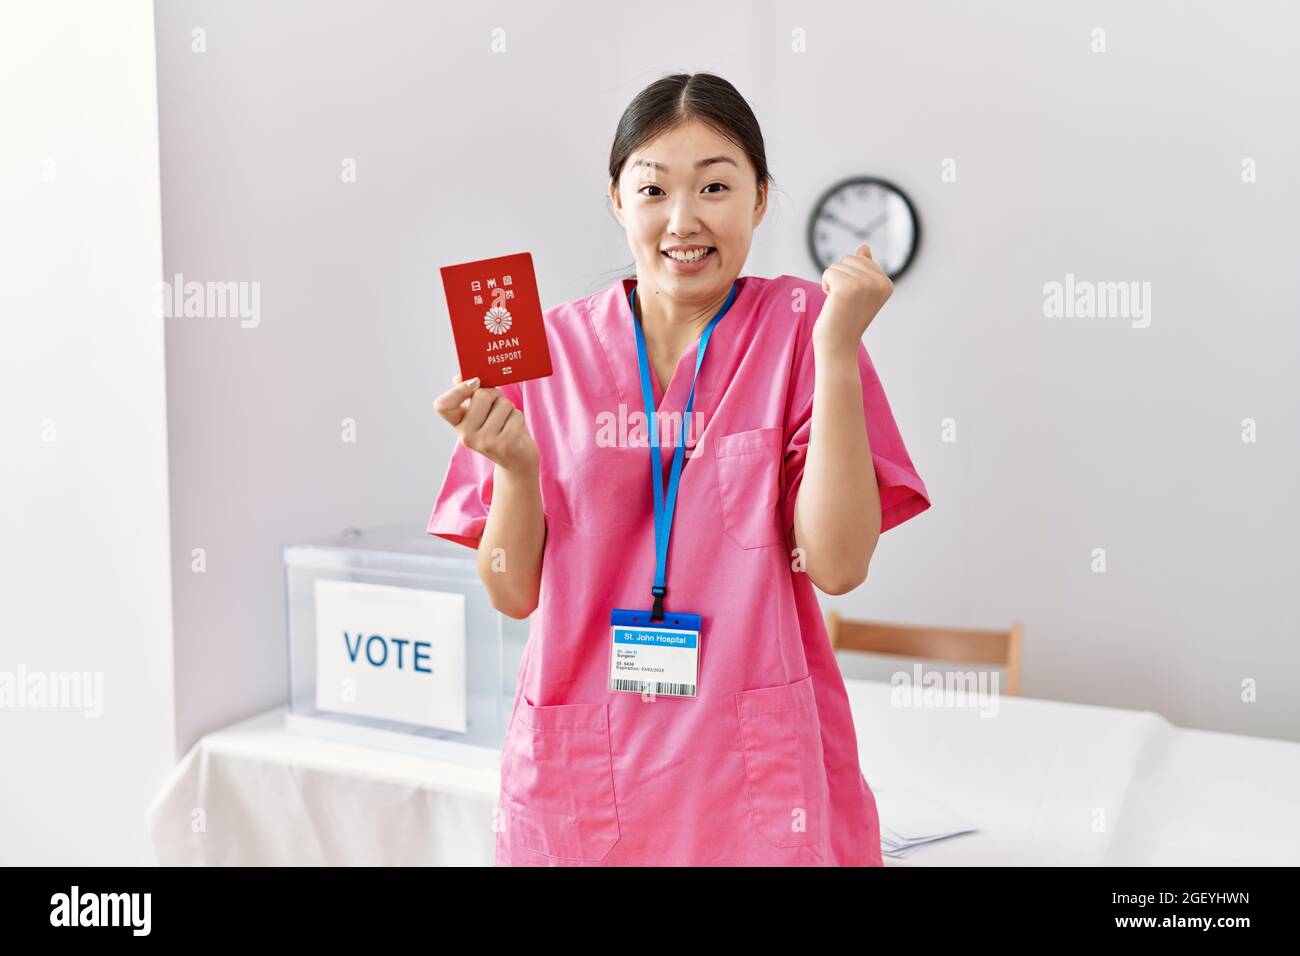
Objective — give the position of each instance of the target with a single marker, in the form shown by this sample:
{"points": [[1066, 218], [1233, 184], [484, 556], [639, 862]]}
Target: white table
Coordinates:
{"points": [[1045, 782], [1052, 783], [268, 797]]}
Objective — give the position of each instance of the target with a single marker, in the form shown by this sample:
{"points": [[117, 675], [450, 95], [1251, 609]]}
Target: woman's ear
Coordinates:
{"points": [[615, 203], [760, 208]]}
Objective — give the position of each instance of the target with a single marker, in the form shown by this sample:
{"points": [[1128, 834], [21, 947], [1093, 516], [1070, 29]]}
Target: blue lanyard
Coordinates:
{"points": [[664, 512]]}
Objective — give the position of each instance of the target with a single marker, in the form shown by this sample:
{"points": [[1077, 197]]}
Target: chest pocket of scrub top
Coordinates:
{"points": [[785, 771], [748, 465], [558, 780]]}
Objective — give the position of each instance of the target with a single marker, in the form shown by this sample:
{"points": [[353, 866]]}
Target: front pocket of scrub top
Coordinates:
{"points": [[748, 465], [559, 778], [785, 771]]}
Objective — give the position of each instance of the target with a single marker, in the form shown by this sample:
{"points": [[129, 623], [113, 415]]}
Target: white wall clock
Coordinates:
{"points": [[865, 209]]}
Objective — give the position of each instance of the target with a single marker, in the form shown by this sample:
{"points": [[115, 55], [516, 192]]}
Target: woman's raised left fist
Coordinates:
{"points": [[856, 289]]}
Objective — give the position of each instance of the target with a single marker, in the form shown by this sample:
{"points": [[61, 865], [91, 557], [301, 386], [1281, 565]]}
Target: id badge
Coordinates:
{"points": [[660, 657]]}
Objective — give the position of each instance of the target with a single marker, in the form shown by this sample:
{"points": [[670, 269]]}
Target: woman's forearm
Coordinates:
{"points": [[837, 508], [510, 551]]}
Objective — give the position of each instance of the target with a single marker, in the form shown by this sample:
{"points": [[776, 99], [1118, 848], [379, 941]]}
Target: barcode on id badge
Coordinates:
{"points": [[652, 687]]}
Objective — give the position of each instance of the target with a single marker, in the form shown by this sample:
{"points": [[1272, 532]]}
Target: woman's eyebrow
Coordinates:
{"points": [[700, 165]]}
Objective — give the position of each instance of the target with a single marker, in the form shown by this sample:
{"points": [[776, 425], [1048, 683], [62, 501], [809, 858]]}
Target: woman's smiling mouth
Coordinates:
{"points": [[691, 259]]}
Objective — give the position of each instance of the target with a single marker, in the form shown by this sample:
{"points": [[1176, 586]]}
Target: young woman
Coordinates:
{"points": [[713, 728]]}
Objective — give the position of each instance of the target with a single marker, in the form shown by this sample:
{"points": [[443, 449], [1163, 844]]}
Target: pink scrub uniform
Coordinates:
{"points": [[761, 767]]}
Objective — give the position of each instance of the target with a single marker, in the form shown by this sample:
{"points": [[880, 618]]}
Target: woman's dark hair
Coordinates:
{"points": [[680, 98]]}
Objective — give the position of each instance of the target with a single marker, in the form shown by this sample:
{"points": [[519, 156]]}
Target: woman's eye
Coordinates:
{"points": [[660, 192]]}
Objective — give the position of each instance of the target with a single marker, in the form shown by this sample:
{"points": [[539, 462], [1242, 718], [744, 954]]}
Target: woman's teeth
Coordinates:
{"points": [[695, 255]]}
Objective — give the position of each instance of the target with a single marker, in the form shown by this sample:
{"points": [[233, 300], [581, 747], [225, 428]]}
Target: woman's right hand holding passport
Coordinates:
{"points": [[489, 423]]}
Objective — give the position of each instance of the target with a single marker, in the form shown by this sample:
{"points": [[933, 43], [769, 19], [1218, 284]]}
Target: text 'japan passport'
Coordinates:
{"points": [[496, 318]]}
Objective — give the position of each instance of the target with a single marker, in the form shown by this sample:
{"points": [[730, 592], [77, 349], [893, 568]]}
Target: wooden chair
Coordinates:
{"points": [[999, 648]]}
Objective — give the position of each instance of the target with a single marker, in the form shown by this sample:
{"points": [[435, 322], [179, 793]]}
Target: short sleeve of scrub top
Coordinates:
{"points": [[902, 493]]}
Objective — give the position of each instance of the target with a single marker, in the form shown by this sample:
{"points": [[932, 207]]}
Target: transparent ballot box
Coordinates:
{"points": [[393, 643]]}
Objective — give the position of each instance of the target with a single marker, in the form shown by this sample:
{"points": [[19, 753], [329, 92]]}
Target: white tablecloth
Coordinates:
{"points": [[1045, 782], [254, 794], [1053, 783]]}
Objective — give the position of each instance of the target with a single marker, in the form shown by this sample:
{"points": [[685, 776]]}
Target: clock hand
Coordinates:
{"points": [[872, 228], [839, 222]]}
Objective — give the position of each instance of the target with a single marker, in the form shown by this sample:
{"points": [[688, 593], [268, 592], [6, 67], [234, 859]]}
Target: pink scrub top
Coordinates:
{"points": [[761, 768]]}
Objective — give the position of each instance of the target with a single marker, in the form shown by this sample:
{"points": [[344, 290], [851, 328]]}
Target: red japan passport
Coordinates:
{"points": [[496, 318]]}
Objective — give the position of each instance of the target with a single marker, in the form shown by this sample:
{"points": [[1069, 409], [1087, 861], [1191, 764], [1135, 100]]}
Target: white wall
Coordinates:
{"points": [[1071, 434], [1075, 434], [84, 572]]}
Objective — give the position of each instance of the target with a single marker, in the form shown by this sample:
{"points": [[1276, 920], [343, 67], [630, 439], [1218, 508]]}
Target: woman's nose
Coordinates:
{"points": [[684, 221]]}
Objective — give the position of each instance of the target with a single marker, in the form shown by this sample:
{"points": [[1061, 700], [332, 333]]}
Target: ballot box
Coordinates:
{"points": [[393, 643]]}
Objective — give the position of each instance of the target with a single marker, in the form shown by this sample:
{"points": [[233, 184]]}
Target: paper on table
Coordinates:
{"points": [[909, 819]]}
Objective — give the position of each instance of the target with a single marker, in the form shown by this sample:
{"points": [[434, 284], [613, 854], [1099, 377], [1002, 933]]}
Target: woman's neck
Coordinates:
{"points": [[669, 326]]}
